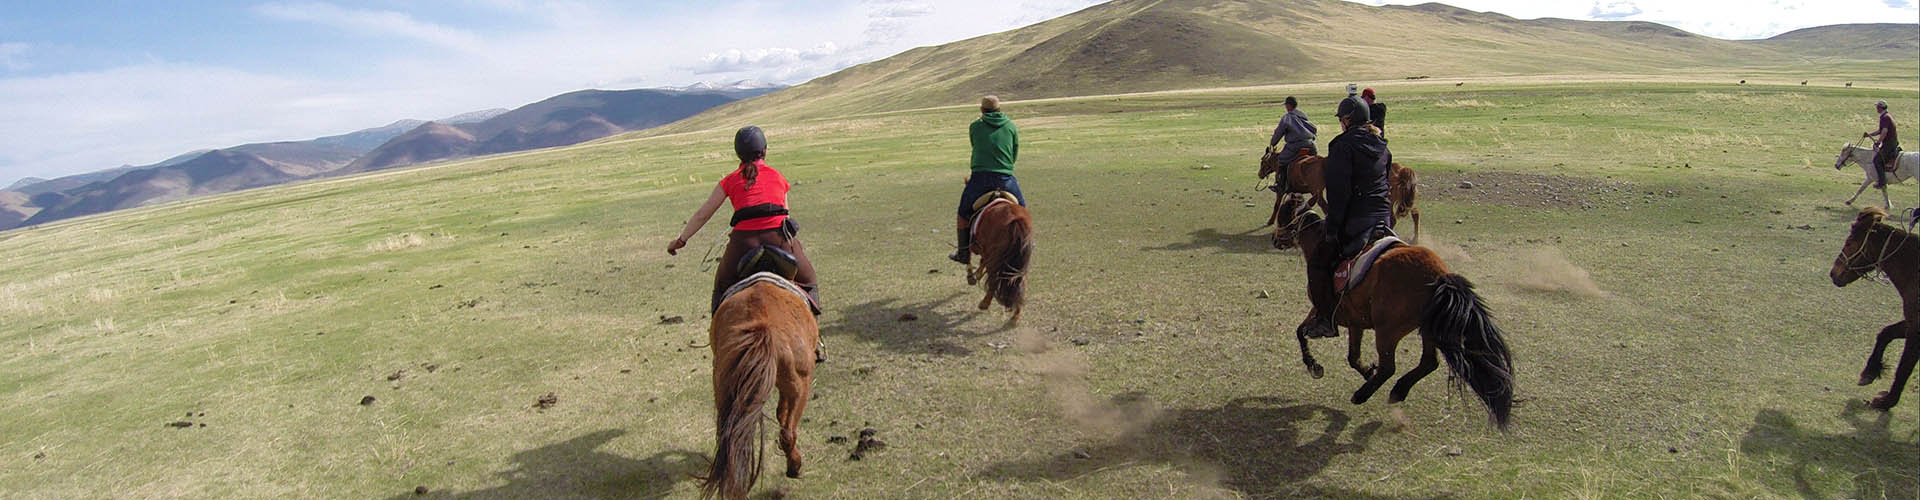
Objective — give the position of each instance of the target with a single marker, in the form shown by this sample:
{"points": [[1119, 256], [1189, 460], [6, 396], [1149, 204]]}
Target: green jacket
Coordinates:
{"points": [[996, 143]]}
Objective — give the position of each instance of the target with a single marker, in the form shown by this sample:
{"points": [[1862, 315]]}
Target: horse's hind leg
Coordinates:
{"points": [[1416, 225], [1429, 360], [1381, 371], [992, 285], [1908, 353], [794, 391], [1874, 367]]}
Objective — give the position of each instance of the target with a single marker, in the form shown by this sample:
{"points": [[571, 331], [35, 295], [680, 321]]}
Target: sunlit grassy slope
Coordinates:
{"points": [[1715, 358], [1153, 45]]}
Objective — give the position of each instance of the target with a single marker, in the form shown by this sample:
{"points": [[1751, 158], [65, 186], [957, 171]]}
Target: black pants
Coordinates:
{"points": [[1884, 160], [1320, 283]]}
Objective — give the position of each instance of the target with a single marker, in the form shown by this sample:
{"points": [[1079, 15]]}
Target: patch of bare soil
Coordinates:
{"points": [[1517, 189]]}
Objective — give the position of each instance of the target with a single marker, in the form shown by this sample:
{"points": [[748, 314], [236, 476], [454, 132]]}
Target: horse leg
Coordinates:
{"points": [[1884, 201], [1279, 199], [1382, 370], [1416, 224], [1306, 356], [1863, 189], [1354, 335], [794, 391], [1874, 367], [987, 301], [1908, 355], [1429, 359]]}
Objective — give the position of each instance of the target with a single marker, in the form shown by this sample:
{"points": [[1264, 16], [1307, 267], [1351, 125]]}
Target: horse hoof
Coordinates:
{"points": [[1884, 402], [1316, 371], [793, 473], [1868, 378], [1359, 398]]}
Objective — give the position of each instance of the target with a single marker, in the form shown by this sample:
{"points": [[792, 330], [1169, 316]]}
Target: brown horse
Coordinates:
{"points": [[1871, 246], [1409, 288], [1003, 237], [763, 337], [1304, 177]]}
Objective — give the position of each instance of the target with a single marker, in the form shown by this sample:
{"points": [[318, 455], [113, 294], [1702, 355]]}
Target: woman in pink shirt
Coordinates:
{"points": [[759, 197]]}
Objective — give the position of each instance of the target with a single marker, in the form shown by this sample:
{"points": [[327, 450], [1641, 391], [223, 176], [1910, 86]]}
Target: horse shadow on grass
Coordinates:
{"points": [[1882, 466], [576, 469], [1252, 241], [929, 327], [1261, 447]]}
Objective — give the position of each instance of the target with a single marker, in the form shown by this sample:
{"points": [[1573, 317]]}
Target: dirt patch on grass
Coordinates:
{"points": [[1516, 189]]}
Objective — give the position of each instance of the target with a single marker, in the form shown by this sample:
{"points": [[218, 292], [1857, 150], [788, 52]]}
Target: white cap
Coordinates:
{"points": [[1353, 89]]}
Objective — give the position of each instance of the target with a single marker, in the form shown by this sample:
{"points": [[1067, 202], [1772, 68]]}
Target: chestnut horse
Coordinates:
{"points": [[1409, 288], [763, 337], [1871, 246], [1003, 237], [1304, 177]]}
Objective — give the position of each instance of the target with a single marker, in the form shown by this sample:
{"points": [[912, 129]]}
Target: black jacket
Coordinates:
{"points": [[1356, 174]]}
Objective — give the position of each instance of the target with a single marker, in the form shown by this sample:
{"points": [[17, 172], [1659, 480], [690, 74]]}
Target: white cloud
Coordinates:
{"points": [[1617, 9], [12, 56], [378, 22], [736, 60]]}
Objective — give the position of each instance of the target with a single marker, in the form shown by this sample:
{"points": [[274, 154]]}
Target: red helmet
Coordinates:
{"points": [[1367, 94]]}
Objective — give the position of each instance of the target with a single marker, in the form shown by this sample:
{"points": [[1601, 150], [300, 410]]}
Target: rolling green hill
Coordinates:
{"points": [[1150, 45]]}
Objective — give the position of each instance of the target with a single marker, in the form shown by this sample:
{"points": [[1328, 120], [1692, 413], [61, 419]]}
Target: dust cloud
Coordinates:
{"points": [[1063, 372], [1548, 270]]}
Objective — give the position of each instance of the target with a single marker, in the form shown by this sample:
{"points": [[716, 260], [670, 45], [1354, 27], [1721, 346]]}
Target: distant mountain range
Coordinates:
{"points": [[558, 121]]}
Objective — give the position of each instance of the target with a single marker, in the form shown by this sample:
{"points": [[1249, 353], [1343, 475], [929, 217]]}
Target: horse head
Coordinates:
{"points": [[1846, 152], [1296, 220], [1855, 258], [1269, 163]]}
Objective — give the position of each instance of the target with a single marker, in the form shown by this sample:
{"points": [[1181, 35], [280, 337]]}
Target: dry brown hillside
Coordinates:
{"points": [[1148, 45]]}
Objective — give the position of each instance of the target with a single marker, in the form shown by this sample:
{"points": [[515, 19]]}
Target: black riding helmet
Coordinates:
{"points": [[1354, 109], [750, 144]]}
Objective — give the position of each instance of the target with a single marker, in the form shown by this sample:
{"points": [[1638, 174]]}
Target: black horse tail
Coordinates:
{"points": [[738, 439], [1012, 272], [1458, 323]]}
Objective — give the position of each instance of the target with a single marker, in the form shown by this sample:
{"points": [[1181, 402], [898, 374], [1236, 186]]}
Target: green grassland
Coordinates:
{"points": [[1714, 359]]}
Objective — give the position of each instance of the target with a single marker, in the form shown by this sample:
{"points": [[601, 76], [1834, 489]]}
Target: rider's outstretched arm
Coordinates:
{"points": [[699, 219]]}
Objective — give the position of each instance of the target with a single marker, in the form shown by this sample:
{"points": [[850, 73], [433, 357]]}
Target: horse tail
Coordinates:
{"points": [[1014, 256], [1458, 323], [742, 391]]}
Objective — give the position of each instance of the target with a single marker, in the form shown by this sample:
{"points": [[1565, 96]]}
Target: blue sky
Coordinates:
{"points": [[92, 85]]}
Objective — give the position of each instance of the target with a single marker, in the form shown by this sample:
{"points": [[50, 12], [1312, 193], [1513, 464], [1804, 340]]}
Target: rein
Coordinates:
{"points": [[1886, 251]]}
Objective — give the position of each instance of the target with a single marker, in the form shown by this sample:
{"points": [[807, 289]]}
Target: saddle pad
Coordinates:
{"points": [[991, 196], [973, 227], [775, 279], [1353, 271]]}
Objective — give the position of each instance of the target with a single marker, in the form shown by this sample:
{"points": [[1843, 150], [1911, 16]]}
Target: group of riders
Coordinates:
{"points": [[1356, 171], [758, 194]]}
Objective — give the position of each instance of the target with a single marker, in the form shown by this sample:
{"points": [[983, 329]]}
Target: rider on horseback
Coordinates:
{"points": [[1889, 149], [1299, 133], [996, 143], [759, 197], [1357, 207]]}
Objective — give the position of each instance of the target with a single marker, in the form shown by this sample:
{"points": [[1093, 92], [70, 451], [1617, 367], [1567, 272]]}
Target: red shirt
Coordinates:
{"points": [[768, 187]]}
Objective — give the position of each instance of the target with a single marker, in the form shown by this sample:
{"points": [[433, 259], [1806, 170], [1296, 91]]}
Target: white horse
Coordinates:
{"points": [[1909, 168]]}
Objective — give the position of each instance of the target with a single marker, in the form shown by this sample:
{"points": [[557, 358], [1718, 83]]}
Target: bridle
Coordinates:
{"points": [[1885, 252]]}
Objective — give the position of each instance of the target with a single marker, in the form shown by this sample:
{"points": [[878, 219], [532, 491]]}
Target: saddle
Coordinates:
{"points": [[1892, 163], [980, 207], [772, 265], [1355, 270]]}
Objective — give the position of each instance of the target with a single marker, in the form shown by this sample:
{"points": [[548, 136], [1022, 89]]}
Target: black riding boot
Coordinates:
{"points": [[1320, 291], [962, 252]]}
